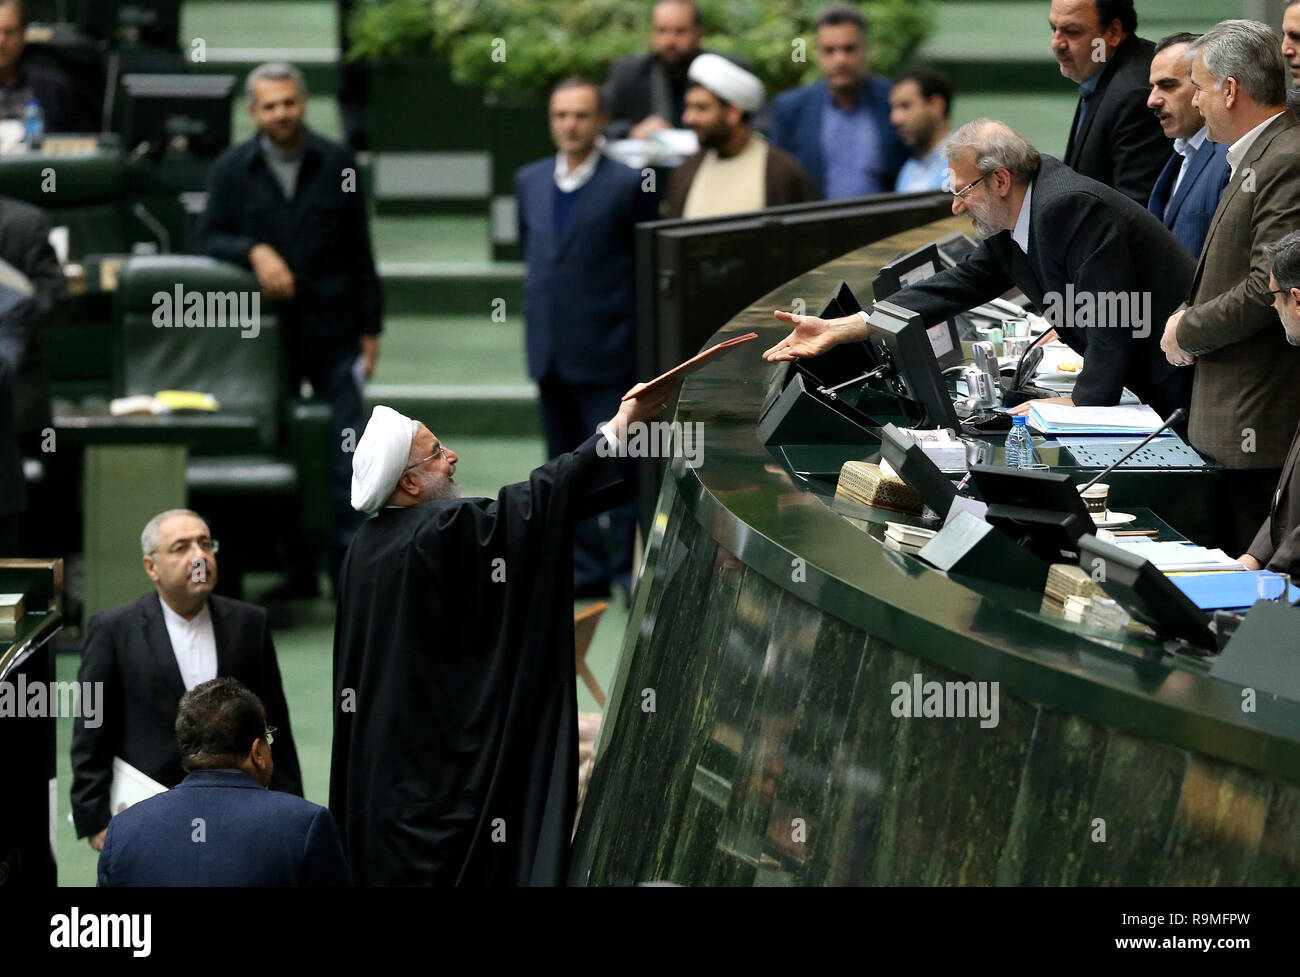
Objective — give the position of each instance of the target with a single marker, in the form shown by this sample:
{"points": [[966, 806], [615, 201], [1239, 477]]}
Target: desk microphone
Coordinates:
{"points": [[1176, 417]]}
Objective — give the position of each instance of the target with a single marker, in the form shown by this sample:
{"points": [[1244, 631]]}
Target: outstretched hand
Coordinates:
{"points": [[812, 335], [644, 409]]}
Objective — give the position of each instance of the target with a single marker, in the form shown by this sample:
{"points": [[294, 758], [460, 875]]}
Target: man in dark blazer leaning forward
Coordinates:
{"points": [[150, 652], [1114, 138], [1245, 396], [1101, 269], [220, 825], [577, 214]]}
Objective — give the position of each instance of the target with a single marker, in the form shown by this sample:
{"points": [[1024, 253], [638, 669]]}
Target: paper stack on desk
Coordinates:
{"points": [[1173, 557], [1063, 419]]}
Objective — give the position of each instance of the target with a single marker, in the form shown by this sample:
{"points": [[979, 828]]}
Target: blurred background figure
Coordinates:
{"points": [[919, 106]]}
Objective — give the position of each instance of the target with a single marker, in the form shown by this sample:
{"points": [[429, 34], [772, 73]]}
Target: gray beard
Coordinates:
{"points": [[443, 487]]}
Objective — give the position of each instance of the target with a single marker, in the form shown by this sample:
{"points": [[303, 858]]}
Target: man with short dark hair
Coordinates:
{"points": [[919, 106], [149, 652], [1186, 193], [735, 170], [645, 93], [288, 204], [838, 128], [220, 825], [1245, 398], [577, 213], [1114, 139]]}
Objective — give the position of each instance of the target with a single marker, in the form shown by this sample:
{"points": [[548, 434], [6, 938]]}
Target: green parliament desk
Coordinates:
{"points": [[750, 736]]}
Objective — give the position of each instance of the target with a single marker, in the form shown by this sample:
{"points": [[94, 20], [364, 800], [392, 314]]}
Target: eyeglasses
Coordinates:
{"points": [[270, 735], [961, 194], [1278, 291], [183, 545], [438, 452]]}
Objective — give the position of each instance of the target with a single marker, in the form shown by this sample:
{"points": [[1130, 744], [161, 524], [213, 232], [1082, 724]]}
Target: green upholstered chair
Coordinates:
{"points": [[269, 474]]}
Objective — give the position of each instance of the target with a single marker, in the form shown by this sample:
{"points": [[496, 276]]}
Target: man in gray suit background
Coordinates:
{"points": [[1245, 394]]}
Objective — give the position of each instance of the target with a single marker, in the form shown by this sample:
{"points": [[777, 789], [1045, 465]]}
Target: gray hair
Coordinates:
{"points": [[1283, 257], [153, 528], [1249, 52], [274, 71], [995, 144]]}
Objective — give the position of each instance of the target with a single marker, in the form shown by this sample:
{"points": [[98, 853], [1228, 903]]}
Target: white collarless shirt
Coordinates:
{"points": [[193, 643], [1238, 150]]}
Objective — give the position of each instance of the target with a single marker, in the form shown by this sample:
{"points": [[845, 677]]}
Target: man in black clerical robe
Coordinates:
{"points": [[455, 732]]}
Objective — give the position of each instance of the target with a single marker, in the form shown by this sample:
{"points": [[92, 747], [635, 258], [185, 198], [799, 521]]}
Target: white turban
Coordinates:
{"points": [[381, 457], [727, 80]]}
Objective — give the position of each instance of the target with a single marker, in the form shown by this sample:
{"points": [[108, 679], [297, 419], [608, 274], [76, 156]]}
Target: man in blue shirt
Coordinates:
{"points": [[838, 127], [919, 106]]}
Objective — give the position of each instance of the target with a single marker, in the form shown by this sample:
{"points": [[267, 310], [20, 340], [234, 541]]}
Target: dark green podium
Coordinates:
{"points": [[751, 736]]}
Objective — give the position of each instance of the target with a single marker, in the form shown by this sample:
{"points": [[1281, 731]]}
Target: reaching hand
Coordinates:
{"points": [[644, 409], [272, 272], [812, 335]]}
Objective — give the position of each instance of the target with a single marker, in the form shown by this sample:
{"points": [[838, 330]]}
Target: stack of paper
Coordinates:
{"points": [[1171, 557], [906, 539], [941, 447], [1063, 419]]}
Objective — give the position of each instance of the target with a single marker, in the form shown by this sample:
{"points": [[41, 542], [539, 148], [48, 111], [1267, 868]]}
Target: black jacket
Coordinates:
{"points": [[1121, 143], [25, 244], [15, 333], [1085, 239], [322, 234], [128, 649]]}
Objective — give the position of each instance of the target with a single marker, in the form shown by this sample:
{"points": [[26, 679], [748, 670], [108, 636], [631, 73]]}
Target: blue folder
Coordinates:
{"points": [[1223, 591]]}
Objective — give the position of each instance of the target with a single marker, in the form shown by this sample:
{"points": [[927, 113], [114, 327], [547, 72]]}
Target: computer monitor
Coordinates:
{"points": [[914, 467], [178, 111], [913, 267], [1041, 511], [900, 344], [1145, 592], [154, 23]]}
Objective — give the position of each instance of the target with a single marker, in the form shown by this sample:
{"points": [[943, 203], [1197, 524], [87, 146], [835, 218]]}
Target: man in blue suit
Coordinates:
{"points": [[220, 825], [1186, 193], [577, 214], [839, 128]]}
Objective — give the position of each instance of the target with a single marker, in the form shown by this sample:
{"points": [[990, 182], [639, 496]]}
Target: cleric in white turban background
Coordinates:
{"points": [[727, 80]]}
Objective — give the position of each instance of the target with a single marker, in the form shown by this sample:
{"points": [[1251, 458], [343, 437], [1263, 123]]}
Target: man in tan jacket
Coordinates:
{"points": [[1245, 391]]}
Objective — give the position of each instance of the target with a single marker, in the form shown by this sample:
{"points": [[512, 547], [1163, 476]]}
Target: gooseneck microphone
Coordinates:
{"points": [[1175, 418]]}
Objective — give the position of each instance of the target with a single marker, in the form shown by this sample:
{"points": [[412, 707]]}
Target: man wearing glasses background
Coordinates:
{"points": [[150, 652], [1067, 242], [249, 836]]}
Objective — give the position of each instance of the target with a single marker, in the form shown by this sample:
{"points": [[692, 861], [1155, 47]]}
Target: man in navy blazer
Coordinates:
{"points": [[577, 214], [1187, 191], [220, 825], [839, 127]]}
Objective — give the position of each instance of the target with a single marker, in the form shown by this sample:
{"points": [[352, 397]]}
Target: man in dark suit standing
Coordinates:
{"points": [[1187, 190], [1070, 244], [15, 329], [838, 128], [220, 825], [577, 213], [20, 85], [1113, 137], [150, 652], [288, 204], [1276, 545], [645, 93], [1245, 398]]}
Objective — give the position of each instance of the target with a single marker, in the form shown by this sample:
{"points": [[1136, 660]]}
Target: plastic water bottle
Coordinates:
{"points": [[34, 124], [1019, 449]]}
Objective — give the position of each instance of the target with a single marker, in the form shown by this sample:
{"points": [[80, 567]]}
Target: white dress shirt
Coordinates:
{"points": [[1020, 233], [1185, 148], [193, 643], [1238, 150], [569, 180]]}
